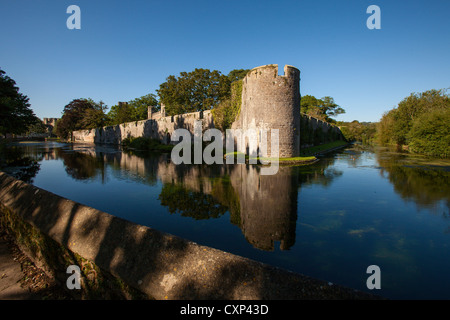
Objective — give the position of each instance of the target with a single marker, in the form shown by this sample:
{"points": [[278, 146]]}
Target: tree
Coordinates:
{"points": [[330, 108], [227, 111], [430, 134], [37, 127], [237, 74], [140, 106], [15, 110], [197, 90], [395, 126], [358, 131], [134, 110], [322, 109], [80, 114], [120, 113], [94, 117]]}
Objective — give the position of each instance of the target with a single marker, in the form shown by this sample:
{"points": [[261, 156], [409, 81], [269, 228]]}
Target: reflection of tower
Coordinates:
{"points": [[268, 205]]}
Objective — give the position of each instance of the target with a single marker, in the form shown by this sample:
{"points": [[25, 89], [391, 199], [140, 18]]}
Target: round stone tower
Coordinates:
{"points": [[270, 101]]}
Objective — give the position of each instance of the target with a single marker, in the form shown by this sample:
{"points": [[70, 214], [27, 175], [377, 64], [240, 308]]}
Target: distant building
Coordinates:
{"points": [[50, 124]]}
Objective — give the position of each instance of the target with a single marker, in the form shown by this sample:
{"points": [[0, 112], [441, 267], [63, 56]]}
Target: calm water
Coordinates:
{"points": [[330, 220]]}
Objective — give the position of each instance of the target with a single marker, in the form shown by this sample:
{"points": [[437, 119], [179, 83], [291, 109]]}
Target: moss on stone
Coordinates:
{"points": [[54, 258]]}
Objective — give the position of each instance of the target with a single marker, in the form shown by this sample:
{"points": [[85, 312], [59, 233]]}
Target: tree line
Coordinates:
{"points": [[16, 115], [198, 90], [420, 122]]}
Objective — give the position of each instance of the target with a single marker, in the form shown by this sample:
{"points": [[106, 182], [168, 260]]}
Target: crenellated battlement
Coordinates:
{"points": [[270, 72]]}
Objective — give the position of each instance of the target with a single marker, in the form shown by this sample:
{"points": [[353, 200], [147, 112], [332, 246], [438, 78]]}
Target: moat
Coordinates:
{"points": [[354, 208]]}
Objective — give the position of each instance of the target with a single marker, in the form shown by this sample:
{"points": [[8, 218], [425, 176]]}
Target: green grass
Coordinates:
{"points": [[306, 155], [292, 159], [145, 144], [323, 147]]}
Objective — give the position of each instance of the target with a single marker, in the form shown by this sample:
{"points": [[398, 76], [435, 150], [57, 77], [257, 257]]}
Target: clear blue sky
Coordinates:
{"points": [[126, 49]]}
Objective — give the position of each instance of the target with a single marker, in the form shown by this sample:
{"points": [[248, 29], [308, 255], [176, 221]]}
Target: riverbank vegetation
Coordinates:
{"points": [[16, 115], [364, 132], [133, 110], [145, 144], [420, 124]]}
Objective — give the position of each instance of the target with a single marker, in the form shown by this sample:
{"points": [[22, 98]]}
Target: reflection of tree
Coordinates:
{"points": [[318, 173], [14, 162], [425, 185], [82, 166], [264, 207], [192, 204]]}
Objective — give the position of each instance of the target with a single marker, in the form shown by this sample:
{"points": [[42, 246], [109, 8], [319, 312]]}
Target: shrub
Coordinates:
{"points": [[430, 134]]}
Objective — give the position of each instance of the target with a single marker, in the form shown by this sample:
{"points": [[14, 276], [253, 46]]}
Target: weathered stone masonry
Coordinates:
{"points": [[160, 128], [269, 101]]}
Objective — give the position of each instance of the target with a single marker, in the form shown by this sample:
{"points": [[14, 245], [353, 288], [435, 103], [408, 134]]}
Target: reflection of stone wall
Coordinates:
{"points": [[268, 203]]}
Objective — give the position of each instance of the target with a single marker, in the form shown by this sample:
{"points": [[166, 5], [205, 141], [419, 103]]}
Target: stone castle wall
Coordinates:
{"points": [[160, 128], [270, 101]]}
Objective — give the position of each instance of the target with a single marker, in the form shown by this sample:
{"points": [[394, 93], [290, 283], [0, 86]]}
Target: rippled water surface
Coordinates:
{"points": [[330, 220]]}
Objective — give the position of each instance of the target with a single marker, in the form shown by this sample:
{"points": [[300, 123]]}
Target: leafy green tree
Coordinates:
{"points": [[140, 106], [430, 134], [385, 128], [134, 110], [15, 110], [80, 114], [323, 109], [237, 74], [197, 90], [227, 111], [395, 126], [358, 131], [36, 127], [94, 117], [120, 113], [330, 108]]}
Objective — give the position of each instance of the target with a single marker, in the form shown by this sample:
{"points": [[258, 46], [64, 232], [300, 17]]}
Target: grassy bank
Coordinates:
{"points": [[323, 148], [307, 155], [145, 144]]}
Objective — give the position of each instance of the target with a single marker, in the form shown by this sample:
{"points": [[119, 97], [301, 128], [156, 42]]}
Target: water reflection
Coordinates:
{"points": [[416, 180], [264, 207], [329, 220], [19, 163]]}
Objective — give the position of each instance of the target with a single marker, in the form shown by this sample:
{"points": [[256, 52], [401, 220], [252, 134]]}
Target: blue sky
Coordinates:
{"points": [[126, 49]]}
